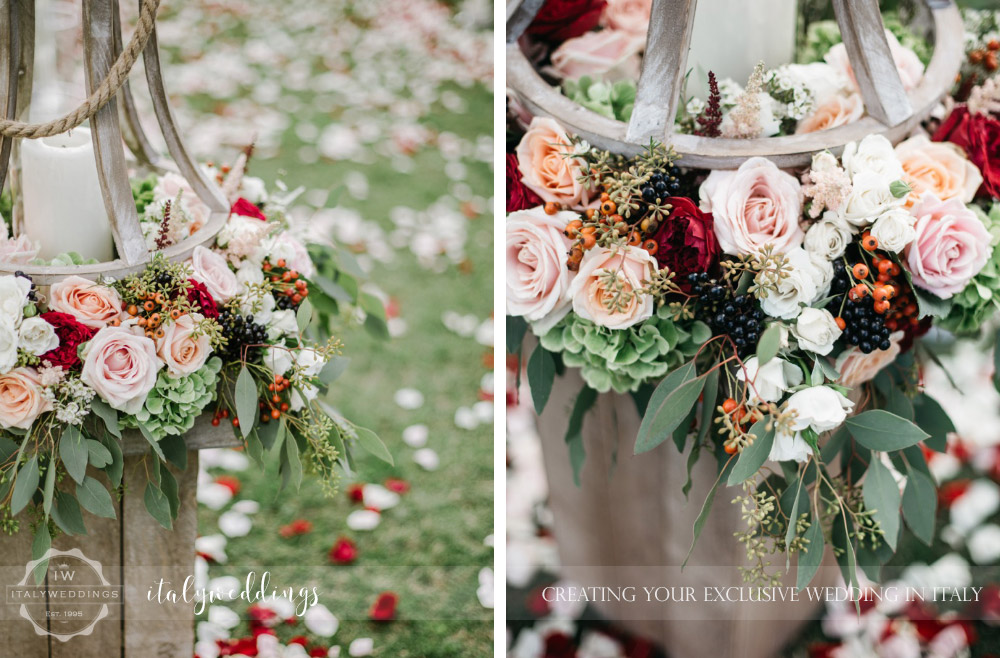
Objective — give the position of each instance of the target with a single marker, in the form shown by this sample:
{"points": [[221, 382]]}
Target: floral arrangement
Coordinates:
{"points": [[228, 335], [771, 318]]}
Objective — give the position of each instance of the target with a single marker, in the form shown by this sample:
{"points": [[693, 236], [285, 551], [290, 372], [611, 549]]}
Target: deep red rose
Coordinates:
{"points": [[384, 608], [71, 335], [296, 528], [686, 241], [979, 136], [559, 20], [244, 208], [559, 645], [198, 295], [519, 197], [344, 551]]}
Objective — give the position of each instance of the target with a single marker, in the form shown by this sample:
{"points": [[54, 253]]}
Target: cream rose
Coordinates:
{"points": [[36, 336], [909, 66], [537, 277], [121, 366], [816, 330], [808, 281], [870, 197], [856, 367], [13, 298], [293, 251], [609, 54], [819, 408], [838, 110], [756, 205], [544, 167], [591, 296], [212, 270], [181, 349], [950, 248], [92, 304], [21, 399], [829, 237], [770, 381], [938, 167], [8, 344], [894, 230], [874, 154]]}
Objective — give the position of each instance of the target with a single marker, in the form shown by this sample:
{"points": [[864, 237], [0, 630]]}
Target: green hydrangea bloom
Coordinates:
{"points": [[974, 305], [623, 359], [175, 402], [613, 100]]}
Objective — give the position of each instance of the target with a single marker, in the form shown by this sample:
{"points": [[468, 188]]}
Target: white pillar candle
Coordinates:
{"points": [[63, 205], [731, 36]]}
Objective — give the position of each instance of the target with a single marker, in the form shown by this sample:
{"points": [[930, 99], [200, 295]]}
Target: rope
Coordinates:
{"points": [[109, 86]]}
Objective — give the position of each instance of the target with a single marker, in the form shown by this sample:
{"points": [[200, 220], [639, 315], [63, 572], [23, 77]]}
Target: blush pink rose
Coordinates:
{"points": [[181, 349], [951, 246], [627, 15], [937, 167], [212, 270], [170, 185], [856, 367], [92, 304], [756, 205], [609, 54], [838, 110], [18, 251], [537, 277], [909, 66], [634, 266], [295, 253], [121, 366], [21, 400], [544, 167]]}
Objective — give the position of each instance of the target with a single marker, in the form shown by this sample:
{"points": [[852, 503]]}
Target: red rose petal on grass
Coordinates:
{"points": [[356, 493], [559, 645], [244, 208], [823, 649], [536, 603], [952, 491], [397, 485], [296, 528], [299, 639], [344, 551], [259, 616], [319, 652], [392, 308], [230, 482], [384, 608]]}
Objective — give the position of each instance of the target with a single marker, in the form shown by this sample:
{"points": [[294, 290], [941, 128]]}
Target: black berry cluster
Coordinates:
{"points": [[864, 327], [841, 282], [285, 303], [665, 183], [738, 316], [239, 331], [33, 293]]}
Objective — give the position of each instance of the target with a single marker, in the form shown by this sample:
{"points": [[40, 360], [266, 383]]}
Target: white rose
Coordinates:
{"points": [[278, 358], [816, 330], [829, 237], [8, 345], [894, 230], [260, 307], [808, 280], [283, 323], [822, 80], [875, 154], [310, 361], [789, 447], [771, 380], [253, 190], [819, 408], [869, 197], [238, 227], [248, 274], [37, 336], [13, 297]]}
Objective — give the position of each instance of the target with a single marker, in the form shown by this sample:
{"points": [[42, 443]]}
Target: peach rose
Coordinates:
{"points": [[121, 366], [21, 400], [609, 54], [537, 277], [756, 205], [856, 367], [212, 270], [938, 167], [591, 296], [92, 304], [627, 15], [544, 167], [909, 66], [838, 110], [951, 246], [181, 349]]}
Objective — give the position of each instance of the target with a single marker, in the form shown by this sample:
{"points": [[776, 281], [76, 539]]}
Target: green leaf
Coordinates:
{"points": [[377, 327], [246, 401], [680, 434], [793, 515], [370, 442], [39, 547], [24, 486], [303, 317], [294, 463], [920, 505], [930, 304], [97, 454], [769, 344], [333, 369], [66, 514], [168, 485], [668, 406], [7, 449], [153, 443], [116, 468], [95, 498], [175, 450], [706, 507], [754, 455], [332, 290], [996, 361], [881, 494], [541, 373], [847, 559], [574, 430], [516, 328], [834, 444], [50, 485], [899, 188], [108, 415], [73, 453], [708, 403], [880, 430], [810, 559], [933, 419], [158, 506]]}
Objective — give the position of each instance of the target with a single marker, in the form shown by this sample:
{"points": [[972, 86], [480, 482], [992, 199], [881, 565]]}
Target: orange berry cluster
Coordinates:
{"points": [[273, 407], [882, 289], [987, 56], [586, 236], [151, 314], [287, 282], [740, 416]]}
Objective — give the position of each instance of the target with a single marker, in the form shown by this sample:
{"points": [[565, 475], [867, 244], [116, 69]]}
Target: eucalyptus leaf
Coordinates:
{"points": [[158, 506], [920, 505], [73, 453], [541, 374], [882, 431], [246, 401], [881, 495], [769, 344], [810, 559], [95, 498], [574, 430], [370, 442], [754, 455], [24, 486], [668, 406], [66, 514]]}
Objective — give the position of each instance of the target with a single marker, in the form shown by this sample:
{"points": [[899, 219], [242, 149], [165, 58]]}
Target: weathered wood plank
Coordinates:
{"points": [[9, 50], [17, 635], [201, 436], [25, 62]]}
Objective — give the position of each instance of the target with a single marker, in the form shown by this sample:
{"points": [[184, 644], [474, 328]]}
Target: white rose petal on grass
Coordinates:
{"points": [[409, 398], [213, 546], [377, 496], [415, 436], [466, 418], [397, 327], [214, 496], [984, 544], [427, 459], [485, 591], [363, 646], [207, 648], [320, 621], [484, 411], [334, 652], [225, 588], [224, 458], [980, 501], [816, 330], [363, 519], [209, 632], [223, 617], [235, 524], [246, 506]]}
